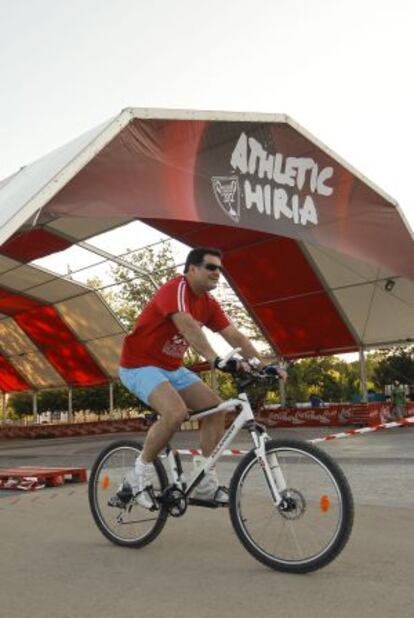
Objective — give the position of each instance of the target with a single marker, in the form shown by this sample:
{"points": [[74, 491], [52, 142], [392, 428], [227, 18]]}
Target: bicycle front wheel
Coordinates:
{"points": [[314, 522], [132, 526]]}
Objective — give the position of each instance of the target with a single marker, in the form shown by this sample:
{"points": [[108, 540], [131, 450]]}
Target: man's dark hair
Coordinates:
{"points": [[196, 256]]}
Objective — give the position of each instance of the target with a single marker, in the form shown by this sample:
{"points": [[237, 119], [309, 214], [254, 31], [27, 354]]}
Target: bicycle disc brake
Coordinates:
{"points": [[293, 504]]}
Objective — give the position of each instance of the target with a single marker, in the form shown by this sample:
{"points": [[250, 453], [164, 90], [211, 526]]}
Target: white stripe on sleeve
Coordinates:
{"points": [[181, 296]]}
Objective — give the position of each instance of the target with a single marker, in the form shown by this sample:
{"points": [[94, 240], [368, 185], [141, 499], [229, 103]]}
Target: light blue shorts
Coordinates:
{"points": [[142, 380]]}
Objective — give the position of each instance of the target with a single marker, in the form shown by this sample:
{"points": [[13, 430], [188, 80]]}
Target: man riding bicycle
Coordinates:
{"points": [[151, 367]]}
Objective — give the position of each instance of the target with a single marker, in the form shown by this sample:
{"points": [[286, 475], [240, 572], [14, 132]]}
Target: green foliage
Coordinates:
{"points": [[330, 378], [94, 398], [394, 364], [20, 404], [133, 293]]}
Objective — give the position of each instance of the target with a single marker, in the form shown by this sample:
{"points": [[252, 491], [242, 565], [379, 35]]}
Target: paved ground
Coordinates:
{"points": [[54, 562]]}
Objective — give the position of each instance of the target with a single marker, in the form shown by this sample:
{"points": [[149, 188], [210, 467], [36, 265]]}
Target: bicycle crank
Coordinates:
{"points": [[175, 501]]}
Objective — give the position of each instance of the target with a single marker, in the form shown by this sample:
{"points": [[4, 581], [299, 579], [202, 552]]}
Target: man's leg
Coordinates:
{"points": [[199, 396], [165, 400]]}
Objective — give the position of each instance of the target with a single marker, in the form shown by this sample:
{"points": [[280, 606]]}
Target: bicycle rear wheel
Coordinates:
{"points": [[133, 526], [316, 520]]}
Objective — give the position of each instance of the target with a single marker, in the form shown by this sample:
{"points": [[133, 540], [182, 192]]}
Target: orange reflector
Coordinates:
{"points": [[105, 482], [325, 504]]}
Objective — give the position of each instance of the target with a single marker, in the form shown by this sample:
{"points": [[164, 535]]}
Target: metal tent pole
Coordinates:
{"points": [[111, 398], [363, 375], [34, 407], [282, 393], [70, 412], [117, 260], [3, 407]]}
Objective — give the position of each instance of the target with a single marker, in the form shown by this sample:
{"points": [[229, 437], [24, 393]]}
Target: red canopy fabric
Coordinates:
{"points": [[321, 258], [53, 332]]}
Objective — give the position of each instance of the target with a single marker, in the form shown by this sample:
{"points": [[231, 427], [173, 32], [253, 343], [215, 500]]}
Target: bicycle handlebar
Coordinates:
{"points": [[243, 378], [228, 356]]}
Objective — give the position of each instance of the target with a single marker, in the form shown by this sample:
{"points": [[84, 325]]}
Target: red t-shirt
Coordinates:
{"points": [[155, 339]]}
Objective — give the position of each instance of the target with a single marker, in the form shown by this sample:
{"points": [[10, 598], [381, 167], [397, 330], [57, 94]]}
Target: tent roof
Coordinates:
{"points": [[53, 332], [310, 244]]}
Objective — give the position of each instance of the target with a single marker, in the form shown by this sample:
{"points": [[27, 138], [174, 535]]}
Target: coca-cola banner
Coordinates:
{"points": [[329, 415]]}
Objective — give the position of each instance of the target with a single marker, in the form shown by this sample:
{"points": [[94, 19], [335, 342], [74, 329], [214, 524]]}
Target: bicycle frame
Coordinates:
{"points": [[244, 417]]}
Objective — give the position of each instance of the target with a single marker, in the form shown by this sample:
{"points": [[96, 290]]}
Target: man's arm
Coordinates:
{"points": [[193, 334], [237, 340]]}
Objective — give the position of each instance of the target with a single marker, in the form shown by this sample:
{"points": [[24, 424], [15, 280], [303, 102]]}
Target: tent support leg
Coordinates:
{"points": [[70, 405], [363, 375], [3, 408], [111, 398], [282, 393], [34, 408]]}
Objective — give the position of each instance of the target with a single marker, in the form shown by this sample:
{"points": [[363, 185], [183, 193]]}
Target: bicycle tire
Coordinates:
{"points": [[100, 478], [306, 506]]}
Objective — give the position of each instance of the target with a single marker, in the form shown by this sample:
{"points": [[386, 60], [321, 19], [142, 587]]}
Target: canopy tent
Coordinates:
{"points": [[53, 332], [321, 258]]}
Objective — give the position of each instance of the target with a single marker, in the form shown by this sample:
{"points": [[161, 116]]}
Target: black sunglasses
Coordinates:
{"points": [[212, 267]]}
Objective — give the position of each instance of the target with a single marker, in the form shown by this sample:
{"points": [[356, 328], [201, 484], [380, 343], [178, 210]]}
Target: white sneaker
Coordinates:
{"points": [[138, 480], [208, 488]]}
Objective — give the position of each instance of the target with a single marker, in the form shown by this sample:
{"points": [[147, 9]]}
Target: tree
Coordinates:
{"points": [[133, 292], [328, 377], [394, 364], [94, 398], [21, 404]]}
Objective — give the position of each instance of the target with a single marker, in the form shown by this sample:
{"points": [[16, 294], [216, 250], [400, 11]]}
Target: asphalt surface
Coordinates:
{"points": [[55, 562]]}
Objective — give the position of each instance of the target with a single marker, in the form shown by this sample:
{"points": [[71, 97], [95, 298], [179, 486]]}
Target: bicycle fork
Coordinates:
{"points": [[270, 466]]}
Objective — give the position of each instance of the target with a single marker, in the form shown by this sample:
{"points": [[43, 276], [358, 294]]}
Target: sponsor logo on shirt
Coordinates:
{"points": [[175, 346]]}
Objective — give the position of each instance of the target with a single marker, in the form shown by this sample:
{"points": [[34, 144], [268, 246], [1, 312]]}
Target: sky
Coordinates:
{"points": [[343, 70]]}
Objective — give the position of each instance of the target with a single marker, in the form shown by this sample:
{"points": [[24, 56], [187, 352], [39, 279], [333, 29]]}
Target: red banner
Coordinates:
{"points": [[331, 415]]}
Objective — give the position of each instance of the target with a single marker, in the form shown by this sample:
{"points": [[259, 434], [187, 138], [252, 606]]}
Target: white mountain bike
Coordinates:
{"points": [[290, 503]]}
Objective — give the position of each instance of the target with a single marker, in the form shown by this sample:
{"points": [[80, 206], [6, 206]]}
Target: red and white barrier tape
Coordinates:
{"points": [[333, 436], [355, 432]]}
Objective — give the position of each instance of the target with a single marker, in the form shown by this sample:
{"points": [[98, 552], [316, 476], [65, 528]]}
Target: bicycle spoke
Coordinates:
{"points": [[310, 524], [123, 526], [295, 539]]}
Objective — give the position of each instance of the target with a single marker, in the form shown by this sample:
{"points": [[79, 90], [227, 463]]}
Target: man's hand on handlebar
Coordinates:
{"points": [[232, 365], [235, 364], [276, 370]]}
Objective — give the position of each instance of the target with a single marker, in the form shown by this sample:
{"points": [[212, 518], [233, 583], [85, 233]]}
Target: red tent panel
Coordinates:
{"points": [[44, 326], [11, 304], [75, 365], [10, 379], [33, 244], [299, 327], [50, 334], [276, 283]]}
